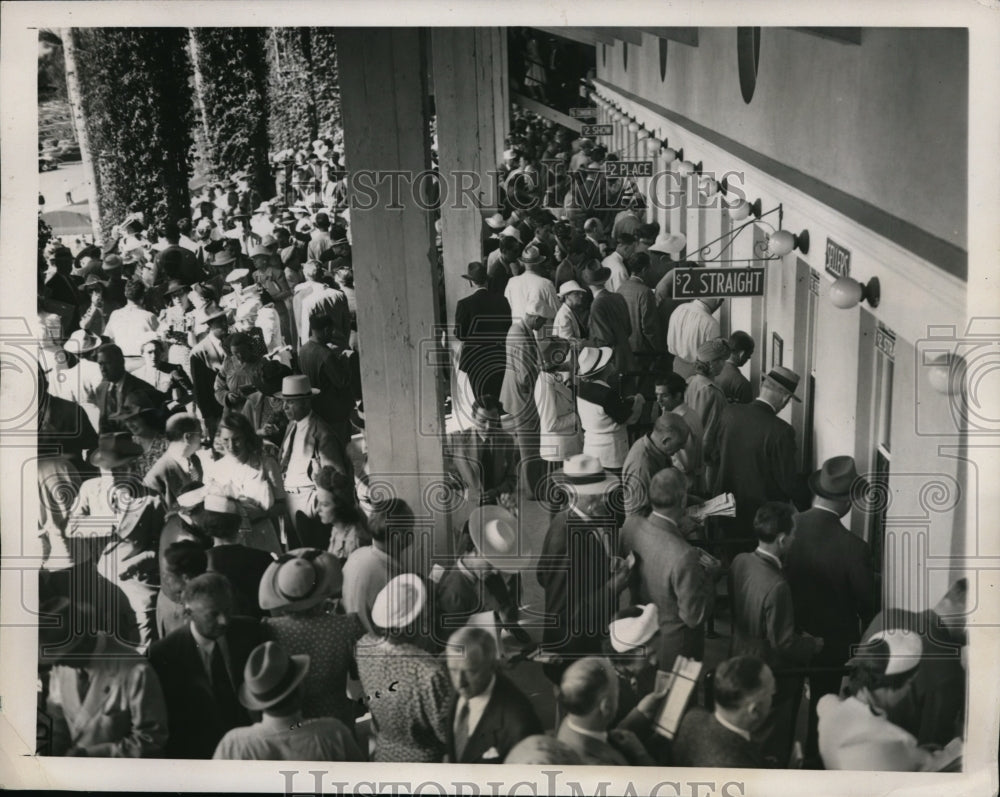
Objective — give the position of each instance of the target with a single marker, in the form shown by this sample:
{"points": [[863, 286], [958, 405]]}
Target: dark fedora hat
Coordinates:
{"points": [[115, 449], [838, 479], [595, 274], [92, 282], [475, 273], [174, 286]]}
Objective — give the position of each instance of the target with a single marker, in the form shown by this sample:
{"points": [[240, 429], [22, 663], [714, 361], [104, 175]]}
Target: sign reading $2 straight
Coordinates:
{"points": [[703, 283]]}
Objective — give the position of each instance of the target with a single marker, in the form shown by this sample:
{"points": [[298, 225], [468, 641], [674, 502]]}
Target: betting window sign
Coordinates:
{"points": [[583, 113], [885, 341], [595, 131], [629, 168], [838, 259], [705, 283]]}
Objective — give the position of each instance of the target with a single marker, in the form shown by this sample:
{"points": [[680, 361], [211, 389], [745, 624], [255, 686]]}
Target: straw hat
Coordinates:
{"points": [[295, 387], [585, 475], [629, 633], [785, 379], [668, 243], [81, 342], [494, 535], [299, 580], [400, 602], [592, 360]]}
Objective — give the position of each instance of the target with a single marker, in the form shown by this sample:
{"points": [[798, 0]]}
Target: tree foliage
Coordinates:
{"points": [[302, 86], [137, 102], [233, 77]]}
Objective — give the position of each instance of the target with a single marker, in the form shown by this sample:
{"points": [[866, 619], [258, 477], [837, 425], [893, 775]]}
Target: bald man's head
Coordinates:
{"points": [[670, 433], [668, 490], [589, 689], [471, 657]]}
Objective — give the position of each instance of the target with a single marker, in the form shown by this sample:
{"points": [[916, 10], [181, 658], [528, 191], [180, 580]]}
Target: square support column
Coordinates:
{"points": [[472, 109], [383, 82]]}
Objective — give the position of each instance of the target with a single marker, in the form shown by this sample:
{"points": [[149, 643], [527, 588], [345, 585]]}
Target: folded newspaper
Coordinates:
{"points": [[682, 680], [723, 505]]}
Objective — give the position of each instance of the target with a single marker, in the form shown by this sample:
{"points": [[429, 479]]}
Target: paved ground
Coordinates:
{"points": [[55, 184]]}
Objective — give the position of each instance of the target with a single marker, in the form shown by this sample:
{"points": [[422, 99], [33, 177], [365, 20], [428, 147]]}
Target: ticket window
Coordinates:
{"points": [[761, 361], [805, 363], [877, 457]]}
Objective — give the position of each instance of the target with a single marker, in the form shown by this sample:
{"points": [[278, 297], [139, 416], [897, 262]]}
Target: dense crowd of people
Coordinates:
{"points": [[222, 583]]}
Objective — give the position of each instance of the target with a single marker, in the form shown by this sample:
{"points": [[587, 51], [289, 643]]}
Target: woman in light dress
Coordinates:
{"points": [[251, 476]]}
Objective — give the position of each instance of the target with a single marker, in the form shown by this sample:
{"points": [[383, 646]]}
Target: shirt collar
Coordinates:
{"points": [[827, 509], [483, 697], [303, 422], [768, 555], [464, 570], [763, 400], [669, 520], [601, 736], [737, 730], [280, 723]]}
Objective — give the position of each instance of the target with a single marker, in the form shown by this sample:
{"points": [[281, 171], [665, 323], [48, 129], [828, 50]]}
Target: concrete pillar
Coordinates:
{"points": [[383, 82], [472, 111]]}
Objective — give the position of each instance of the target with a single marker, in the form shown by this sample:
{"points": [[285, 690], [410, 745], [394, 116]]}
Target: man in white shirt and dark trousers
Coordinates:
{"points": [[531, 286], [625, 246], [690, 325]]}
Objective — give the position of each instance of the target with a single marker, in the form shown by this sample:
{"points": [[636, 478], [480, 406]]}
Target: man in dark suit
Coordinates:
{"points": [[200, 667], [219, 518], [330, 371], [118, 388], [609, 322], [484, 459], [764, 620], [733, 383], [744, 689], [757, 454], [481, 323], [830, 572], [576, 569], [206, 363], [670, 573], [489, 714], [178, 467]]}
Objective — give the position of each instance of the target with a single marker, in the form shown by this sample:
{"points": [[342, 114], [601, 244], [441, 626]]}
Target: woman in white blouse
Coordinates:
{"points": [[252, 477], [559, 426], [854, 732], [604, 415]]}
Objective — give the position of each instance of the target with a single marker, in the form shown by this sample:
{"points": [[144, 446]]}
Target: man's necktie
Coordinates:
{"points": [[82, 683], [111, 405], [222, 687], [461, 729], [286, 454]]}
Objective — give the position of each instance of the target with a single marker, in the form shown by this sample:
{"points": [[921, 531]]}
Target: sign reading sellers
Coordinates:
{"points": [[703, 283], [838, 259]]}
